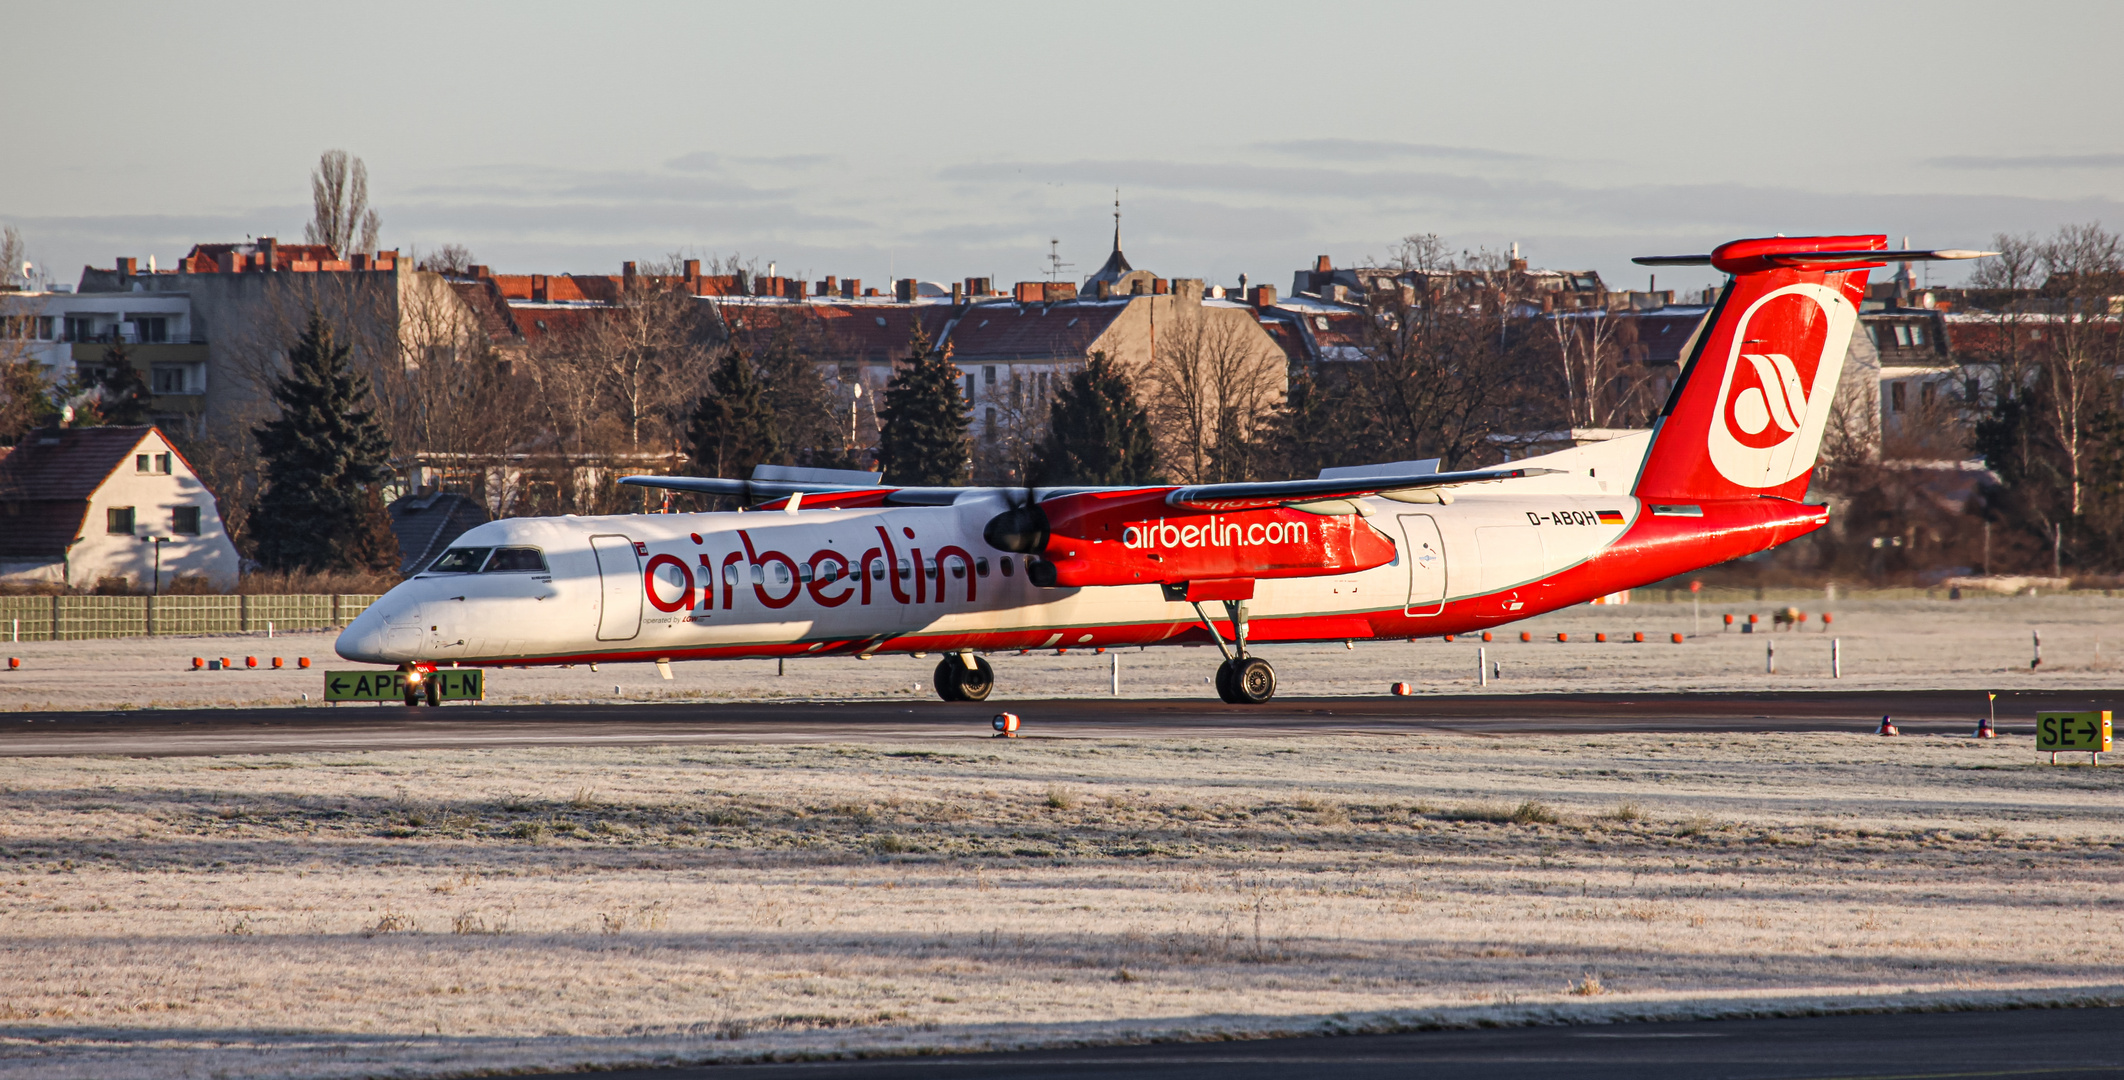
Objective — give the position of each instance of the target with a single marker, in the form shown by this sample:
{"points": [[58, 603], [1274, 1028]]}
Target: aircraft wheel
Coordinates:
{"points": [[955, 682], [1253, 681], [1224, 683]]}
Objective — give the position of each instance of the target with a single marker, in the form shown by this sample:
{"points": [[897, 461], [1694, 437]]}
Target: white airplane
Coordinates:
{"points": [[835, 564]]}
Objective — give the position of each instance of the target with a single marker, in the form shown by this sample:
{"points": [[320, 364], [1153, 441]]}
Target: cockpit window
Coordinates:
{"points": [[516, 560], [460, 561]]}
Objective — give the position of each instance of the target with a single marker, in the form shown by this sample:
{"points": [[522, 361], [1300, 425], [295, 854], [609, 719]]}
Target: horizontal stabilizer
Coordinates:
{"points": [[1799, 258]]}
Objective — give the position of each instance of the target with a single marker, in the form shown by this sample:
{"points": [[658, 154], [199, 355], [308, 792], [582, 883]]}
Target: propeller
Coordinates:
{"points": [[1022, 527]]}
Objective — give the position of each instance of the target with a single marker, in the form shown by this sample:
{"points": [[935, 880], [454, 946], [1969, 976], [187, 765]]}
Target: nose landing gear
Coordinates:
{"points": [[964, 677], [1241, 679]]}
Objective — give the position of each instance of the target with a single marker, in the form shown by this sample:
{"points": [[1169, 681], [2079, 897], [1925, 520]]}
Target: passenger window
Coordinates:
{"points": [[1005, 562], [460, 561], [981, 566], [759, 574], [516, 560], [730, 574]]}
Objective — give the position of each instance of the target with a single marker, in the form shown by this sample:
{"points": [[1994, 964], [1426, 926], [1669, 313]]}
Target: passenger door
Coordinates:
{"points": [[619, 568], [1424, 551]]}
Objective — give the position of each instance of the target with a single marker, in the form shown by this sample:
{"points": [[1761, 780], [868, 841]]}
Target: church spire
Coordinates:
{"points": [[1117, 221]]}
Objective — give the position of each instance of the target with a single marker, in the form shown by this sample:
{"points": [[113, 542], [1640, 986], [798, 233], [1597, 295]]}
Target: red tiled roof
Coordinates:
{"points": [[487, 305], [1004, 332], [848, 333], [45, 485]]}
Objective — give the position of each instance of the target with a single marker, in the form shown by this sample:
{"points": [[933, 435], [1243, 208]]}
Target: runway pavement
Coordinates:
{"points": [[150, 732], [2054, 1044]]}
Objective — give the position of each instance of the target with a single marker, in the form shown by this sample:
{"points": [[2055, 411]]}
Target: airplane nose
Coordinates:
{"points": [[363, 639], [372, 638]]}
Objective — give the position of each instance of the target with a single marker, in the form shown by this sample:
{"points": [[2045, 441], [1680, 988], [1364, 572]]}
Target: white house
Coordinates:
{"points": [[80, 505]]}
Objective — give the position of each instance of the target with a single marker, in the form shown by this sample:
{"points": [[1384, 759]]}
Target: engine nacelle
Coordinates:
{"points": [[1135, 538]]}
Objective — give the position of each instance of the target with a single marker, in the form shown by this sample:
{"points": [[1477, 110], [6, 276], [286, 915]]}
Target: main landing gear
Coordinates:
{"points": [[1241, 679], [964, 677]]}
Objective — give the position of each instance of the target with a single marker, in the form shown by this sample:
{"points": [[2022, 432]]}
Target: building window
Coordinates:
{"points": [[168, 378], [990, 431], [118, 521], [140, 463], [1902, 334], [162, 464], [1917, 335], [44, 327], [989, 374], [150, 329], [80, 328], [184, 520], [1895, 397], [969, 386], [1926, 392]]}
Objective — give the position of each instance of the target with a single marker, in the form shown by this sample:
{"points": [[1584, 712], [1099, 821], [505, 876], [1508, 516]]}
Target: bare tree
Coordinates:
{"points": [[2086, 267], [339, 205], [1445, 363], [14, 257], [449, 260], [1214, 380]]}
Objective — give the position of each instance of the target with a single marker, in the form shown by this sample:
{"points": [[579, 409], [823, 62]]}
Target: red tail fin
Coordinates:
{"points": [[1747, 414]]}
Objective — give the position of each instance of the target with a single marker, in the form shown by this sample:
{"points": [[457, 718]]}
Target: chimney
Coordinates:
{"points": [[1261, 296], [268, 253], [1516, 265], [1030, 292], [538, 287], [1189, 289], [627, 269], [958, 294], [358, 261], [851, 288], [1321, 265], [1160, 286], [1103, 290], [478, 272], [693, 269], [903, 290], [127, 266], [230, 262]]}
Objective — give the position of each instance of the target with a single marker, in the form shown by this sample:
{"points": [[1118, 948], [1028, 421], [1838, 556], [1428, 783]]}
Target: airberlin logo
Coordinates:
{"points": [[1216, 532], [1780, 378]]}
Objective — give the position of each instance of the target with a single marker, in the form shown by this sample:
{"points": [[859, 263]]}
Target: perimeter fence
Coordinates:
{"points": [[77, 618]]}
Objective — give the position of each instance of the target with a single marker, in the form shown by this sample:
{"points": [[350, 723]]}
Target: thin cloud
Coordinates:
{"points": [[1360, 150], [2029, 161], [698, 161]]}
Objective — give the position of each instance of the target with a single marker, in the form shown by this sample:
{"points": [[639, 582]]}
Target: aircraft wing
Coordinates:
{"points": [[1249, 495]]}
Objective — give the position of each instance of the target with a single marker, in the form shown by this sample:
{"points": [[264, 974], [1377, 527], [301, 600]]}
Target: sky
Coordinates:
{"points": [[942, 141]]}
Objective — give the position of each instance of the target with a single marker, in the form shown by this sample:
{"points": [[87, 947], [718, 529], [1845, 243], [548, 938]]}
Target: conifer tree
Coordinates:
{"points": [[324, 457], [733, 425], [922, 439], [122, 393], [1098, 432]]}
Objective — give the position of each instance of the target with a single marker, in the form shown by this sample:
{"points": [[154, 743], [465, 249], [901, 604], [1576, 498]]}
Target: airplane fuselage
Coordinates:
{"points": [[922, 579]]}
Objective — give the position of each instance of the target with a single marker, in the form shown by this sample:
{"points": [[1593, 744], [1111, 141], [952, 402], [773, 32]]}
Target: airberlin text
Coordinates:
{"points": [[830, 576], [1216, 532]]}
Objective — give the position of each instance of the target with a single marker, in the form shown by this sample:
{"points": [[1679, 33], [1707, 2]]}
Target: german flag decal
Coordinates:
{"points": [[1611, 517]]}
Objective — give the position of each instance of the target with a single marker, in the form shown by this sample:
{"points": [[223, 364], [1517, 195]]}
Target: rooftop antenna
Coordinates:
{"points": [[1117, 219], [1055, 265]]}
